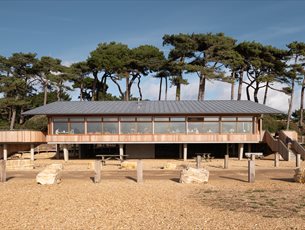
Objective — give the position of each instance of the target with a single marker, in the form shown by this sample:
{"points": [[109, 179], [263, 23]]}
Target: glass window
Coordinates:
{"points": [[177, 127], [110, 127], [244, 127], [245, 118], [195, 127], [144, 118], [169, 127], [94, 118], [144, 127], [195, 119], [211, 118], [128, 127], [211, 127], [128, 118], [229, 127], [161, 118], [228, 118], [162, 127], [60, 119], [77, 127], [177, 118], [94, 127], [77, 119], [60, 127], [110, 119]]}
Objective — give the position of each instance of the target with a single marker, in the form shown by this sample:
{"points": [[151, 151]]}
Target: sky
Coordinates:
{"points": [[70, 30]]}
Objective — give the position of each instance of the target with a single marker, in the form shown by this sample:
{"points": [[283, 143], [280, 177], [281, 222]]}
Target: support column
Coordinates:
{"points": [[249, 148], [79, 151], [121, 151], [276, 159], [226, 162], [74, 150], [298, 160], [5, 152], [185, 152], [66, 153], [139, 171], [240, 151], [251, 170], [32, 152], [180, 151], [57, 151]]}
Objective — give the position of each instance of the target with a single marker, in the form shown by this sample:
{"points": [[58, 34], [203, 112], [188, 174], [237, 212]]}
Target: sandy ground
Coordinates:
{"points": [[274, 201]]}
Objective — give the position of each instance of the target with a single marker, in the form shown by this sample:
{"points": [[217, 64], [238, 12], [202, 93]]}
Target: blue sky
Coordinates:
{"points": [[69, 29]]}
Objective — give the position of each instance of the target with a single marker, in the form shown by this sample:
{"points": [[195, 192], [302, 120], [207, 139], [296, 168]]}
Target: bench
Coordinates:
{"points": [[106, 157], [205, 156], [254, 155]]}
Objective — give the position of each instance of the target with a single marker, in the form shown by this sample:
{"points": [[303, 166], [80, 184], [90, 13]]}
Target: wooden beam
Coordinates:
{"points": [[139, 171]]}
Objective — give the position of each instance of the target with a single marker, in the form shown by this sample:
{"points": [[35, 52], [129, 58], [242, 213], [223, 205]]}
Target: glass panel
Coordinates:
{"points": [[177, 127], [195, 119], [144, 118], [177, 118], [77, 127], [60, 119], [77, 118], [128, 118], [244, 118], [228, 118], [128, 127], [244, 127], [111, 127], [94, 127], [228, 127], [161, 118], [211, 118], [195, 127], [59, 128], [162, 127], [110, 119], [94, 118], [211, 127], [144, 127]]}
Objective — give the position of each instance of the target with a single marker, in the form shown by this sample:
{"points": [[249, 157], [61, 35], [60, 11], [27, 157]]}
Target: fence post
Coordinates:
{"points": [[198, 161], [139, 171], [276, 159], [2, 170], [97, 169], [298, 160], [251, 171]]}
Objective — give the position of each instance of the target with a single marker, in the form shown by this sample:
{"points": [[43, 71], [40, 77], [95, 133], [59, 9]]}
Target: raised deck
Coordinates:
{"points": [[22, 137]]}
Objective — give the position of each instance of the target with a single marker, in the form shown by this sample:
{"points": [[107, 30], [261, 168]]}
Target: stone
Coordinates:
{"points": [[299, 175], [128, 165], [194, 175], [21, 164], [50, 175], [170, 166]]}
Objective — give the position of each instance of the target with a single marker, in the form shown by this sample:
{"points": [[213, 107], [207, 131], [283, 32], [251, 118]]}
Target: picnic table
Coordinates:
{"points": [[106, 157], [205, 156]]}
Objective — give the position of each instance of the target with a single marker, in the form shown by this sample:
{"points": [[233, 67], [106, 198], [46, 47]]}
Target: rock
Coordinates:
{"points": [[170, 166], [299, 175], [50, 175], [193, 175], [129, 165]]}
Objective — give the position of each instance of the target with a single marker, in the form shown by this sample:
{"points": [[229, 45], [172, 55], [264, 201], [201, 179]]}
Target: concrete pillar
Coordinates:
{"points": [[249, 148], [139, 171], [198, 162], [97, 169], [180, 151], [2, 170], [185, 152], [121, 151], [66, 153], [32, 152], [240, 151], [226, 162], [79, 151], [5, 152], [298, 160], [57, 151], [251, 171], [276, 159]]}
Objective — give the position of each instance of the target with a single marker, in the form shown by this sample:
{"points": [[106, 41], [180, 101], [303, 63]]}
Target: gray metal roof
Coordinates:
{"points": [[152, 107]]}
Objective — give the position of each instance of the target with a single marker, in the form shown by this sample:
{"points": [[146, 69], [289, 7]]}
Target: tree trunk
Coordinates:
{"points": [[290, 104], [178, 90], [266, 93], [248, 92], [302, 104], [127, 93], [13, 118], [45, 96], [240, 85], [81, 91], [232, 85], [255, 93], [201, 91], [94, 86], [21, 120], [139, 88], [160, 88], [166, 86]]}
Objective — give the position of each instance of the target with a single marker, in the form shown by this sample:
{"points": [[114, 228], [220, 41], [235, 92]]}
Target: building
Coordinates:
{"points": [[155, 129]]}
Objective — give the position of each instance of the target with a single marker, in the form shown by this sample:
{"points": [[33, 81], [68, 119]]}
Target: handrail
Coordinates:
{"points": [[283, 150], [271, 141], [298, 149]]}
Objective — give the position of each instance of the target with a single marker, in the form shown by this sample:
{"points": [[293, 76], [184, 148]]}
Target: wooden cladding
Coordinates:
{"points": [[155, 138], [22, 136]]}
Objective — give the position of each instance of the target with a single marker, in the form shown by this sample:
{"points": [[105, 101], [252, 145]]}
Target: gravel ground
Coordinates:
{"points": [[226, 202]]}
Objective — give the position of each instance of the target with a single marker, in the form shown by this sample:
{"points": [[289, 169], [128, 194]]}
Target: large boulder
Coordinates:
{"points": [[50, 175], [299, 175], [194, 175]]}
